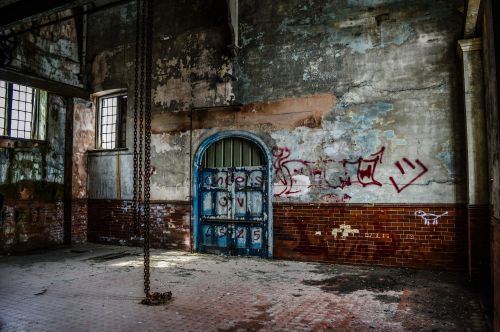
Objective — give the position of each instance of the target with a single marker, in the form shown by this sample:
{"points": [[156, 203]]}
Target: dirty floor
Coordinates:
{"points": [[98, 288]]}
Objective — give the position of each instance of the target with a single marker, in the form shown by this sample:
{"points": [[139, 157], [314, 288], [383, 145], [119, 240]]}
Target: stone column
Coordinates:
{"points": [[477, 157]]}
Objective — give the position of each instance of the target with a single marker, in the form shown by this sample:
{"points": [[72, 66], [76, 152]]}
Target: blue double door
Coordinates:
{"points": [[233, 218]]}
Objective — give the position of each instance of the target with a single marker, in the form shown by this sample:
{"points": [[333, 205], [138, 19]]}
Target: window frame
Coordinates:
{"points": [[35, 134], [120, 121]]}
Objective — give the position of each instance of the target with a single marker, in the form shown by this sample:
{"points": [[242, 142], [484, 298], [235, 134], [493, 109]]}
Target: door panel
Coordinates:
{"points": [[254, 205], [232, 218]]}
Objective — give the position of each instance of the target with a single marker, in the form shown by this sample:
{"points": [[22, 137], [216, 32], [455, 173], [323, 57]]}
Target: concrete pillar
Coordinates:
{"points": [[477, 157]]}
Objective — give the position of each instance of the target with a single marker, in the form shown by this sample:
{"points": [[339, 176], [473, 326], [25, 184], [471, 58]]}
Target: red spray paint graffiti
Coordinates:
{"points": [[318, 172], [413, 175], [241, 201], [296, 176]]}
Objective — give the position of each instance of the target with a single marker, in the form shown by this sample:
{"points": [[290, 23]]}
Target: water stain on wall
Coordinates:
{"points": [[289, 113]]}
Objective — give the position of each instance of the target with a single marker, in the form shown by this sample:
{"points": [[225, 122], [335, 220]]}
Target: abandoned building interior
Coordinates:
{"points": [[353, 133]]}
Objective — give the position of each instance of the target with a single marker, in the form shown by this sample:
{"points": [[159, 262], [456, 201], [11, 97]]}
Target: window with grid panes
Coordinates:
{"points": [[111, 121], [23, 111]]}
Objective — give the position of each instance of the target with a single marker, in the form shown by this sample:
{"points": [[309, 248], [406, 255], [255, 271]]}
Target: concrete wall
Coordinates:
{"points": [[364, 80], [358, 100], [32, 172], [31, 181], [49, 52]]}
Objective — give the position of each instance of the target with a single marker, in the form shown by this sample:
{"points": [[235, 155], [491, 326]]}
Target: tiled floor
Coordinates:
{"points": [[98, 288]]}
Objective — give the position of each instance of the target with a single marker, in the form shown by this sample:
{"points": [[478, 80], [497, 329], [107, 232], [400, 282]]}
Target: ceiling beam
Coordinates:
{"points": [[58, 88], [26, 10]]}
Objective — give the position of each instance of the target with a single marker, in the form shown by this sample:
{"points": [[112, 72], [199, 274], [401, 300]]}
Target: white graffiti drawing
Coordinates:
{"points": [[429, 218], [345, 230]]}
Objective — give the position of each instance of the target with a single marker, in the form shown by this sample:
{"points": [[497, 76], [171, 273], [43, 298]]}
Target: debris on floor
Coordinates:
{"points": [[101, 289]]}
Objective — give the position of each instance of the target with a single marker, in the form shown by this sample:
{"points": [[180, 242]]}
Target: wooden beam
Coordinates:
{"points": [[58, 88]]}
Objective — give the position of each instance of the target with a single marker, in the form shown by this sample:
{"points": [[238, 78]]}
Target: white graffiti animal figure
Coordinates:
{"points": [[429, 218]]}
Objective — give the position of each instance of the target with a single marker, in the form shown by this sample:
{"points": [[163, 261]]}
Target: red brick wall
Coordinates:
{"points": [[384, 234], [79, 214], [111, 221], [30, 225]]}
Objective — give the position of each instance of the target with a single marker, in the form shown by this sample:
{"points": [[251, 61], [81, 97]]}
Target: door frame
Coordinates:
{"points": [[198, 158]]}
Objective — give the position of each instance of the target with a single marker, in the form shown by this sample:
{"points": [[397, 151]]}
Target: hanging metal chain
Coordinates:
{"points": [[142, 17], [142, 128], [144, 92], [136, 198], [147, 145]]}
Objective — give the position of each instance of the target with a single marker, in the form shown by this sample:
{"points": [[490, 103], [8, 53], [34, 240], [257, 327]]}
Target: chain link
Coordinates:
{"points": [[142, 139], [147, 143], [136, 226]]}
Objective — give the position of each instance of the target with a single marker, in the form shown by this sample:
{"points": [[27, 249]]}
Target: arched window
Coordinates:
{"points": [[233, 152]]}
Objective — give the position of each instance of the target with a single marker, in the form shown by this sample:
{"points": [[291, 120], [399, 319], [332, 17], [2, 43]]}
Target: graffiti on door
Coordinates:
{"points": [[233, 218]]}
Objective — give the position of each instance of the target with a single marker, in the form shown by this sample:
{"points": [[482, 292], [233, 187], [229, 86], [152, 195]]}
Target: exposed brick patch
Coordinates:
{"points": [[382, 234], [30, 225], [111, 221], [79, 215]]}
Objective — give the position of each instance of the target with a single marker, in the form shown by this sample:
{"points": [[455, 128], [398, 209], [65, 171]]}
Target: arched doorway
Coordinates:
{"points": [[232, 195]]}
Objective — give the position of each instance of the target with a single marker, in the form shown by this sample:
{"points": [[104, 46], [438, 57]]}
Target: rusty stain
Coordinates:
{"points": [[289, 113], [83, 140], [26, 194]]}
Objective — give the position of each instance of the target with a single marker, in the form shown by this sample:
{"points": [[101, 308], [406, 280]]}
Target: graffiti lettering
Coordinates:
{"points": [[240, 233], [223, 201], [240, 200], [296, 176], [377, 235], [256, 235], [222, 179], [413, 175], [240, 180], [219, 181], [366, 168]]}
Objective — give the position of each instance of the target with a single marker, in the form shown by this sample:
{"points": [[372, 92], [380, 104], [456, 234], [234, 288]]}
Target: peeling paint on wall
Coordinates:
{"points": [[289, 113], [83, 140], [50, 52], [162, 143], [329, 82]]}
